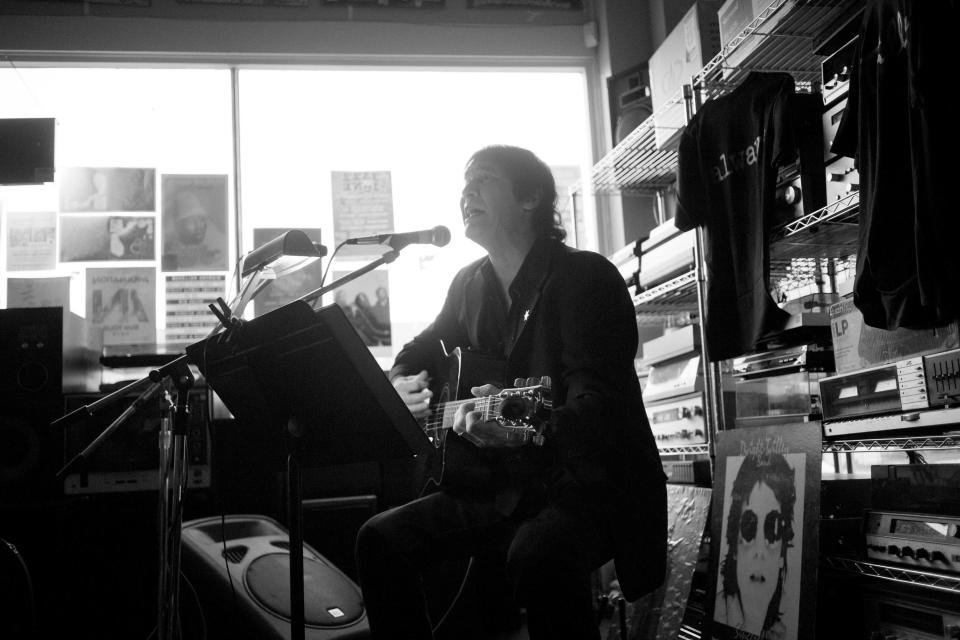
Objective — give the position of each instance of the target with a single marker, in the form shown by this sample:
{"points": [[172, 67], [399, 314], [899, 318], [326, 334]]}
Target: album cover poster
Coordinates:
{"points": [[106, 189], [106, 238], [38, 292], [765, 517], [194, 223], [291, 286], [121, 303], [188, 316], [366, 303], [362, 206], [31, 241]]}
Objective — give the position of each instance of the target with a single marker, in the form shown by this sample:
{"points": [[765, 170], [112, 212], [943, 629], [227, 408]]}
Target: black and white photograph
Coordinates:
{"points": [[766, 507], [106, 189], [366, 303], [107, 238], [194, 223]]}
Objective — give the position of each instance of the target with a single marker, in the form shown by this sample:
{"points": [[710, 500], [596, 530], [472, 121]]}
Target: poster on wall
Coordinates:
{"points": [[189, 319], [766, 510], [106, 189], [89, 238], [38, 292], [31, 241], [121, 304], [194, 222], [291, 286], [366, 303], [362, 206]]}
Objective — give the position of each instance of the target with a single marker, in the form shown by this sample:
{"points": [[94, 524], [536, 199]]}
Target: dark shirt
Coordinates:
{"points": [[900, 127], [726, 182]]}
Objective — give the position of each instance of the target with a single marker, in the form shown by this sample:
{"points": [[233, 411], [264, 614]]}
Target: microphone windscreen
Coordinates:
{"points": [[441, 236]]}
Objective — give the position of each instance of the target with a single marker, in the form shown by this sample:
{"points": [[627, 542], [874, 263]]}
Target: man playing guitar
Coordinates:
{"points": [[588, 485]]}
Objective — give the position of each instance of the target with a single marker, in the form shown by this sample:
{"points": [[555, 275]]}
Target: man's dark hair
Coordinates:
{"points": [[531, 177], [774, 471]]}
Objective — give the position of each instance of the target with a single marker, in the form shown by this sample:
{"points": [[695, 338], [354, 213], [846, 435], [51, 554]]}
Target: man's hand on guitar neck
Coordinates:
{"points": [[414, 392], [470, 424]]}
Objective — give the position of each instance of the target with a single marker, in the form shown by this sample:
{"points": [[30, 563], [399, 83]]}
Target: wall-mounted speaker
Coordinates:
{"points": [[239, 566]]}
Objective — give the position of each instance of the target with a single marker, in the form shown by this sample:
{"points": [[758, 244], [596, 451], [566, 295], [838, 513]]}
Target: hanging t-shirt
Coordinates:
{"points": [[900, 128], [726, 183]]}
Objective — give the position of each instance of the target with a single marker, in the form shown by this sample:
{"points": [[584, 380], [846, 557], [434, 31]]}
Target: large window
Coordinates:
{"points": [[341, 151]]}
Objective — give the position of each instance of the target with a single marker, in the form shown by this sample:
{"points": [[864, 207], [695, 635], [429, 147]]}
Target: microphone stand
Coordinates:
{"points": [[172, 466]]}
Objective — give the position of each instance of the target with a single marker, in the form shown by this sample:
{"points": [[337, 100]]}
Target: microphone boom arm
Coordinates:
{"points": [[386, 258]]}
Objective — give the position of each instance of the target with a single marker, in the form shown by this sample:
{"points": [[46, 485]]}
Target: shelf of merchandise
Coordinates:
{"points": [[901, 575], [678, 295], [782, 37], [893, 444]]}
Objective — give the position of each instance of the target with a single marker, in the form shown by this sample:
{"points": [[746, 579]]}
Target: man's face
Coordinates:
{"points": [[758, 553], [491, 213]]}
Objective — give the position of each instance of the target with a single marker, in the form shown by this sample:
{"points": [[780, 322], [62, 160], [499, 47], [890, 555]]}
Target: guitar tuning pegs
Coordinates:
{"points": [[546, 382], [518, 382]]}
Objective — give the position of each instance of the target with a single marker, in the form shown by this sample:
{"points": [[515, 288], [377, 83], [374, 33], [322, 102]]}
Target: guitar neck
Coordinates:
{"points": [[444, 412]]}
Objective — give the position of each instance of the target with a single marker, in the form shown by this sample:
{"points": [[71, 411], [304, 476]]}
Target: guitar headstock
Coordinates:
{"points": [[527, 404]]}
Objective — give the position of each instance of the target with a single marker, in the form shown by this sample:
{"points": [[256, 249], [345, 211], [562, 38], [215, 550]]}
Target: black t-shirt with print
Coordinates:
{"points": [[726, 183]]}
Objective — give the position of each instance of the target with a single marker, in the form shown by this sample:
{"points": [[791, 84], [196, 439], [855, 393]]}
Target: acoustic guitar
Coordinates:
{"points": [[522, 411]]}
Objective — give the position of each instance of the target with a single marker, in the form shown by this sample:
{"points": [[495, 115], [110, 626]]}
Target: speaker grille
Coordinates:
{"points": [[235, 554]]}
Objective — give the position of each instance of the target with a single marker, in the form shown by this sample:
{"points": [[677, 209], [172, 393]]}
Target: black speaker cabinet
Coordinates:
{"points": [[45, 351], [30, 455], [240, 569]]}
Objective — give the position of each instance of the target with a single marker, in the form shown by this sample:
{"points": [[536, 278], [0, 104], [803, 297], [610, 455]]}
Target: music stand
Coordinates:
{"points": [[307, 377]]}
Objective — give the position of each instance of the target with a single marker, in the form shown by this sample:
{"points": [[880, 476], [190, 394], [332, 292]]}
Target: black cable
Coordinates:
{"points": [[456, 598], [323, 278], [31, 596]]}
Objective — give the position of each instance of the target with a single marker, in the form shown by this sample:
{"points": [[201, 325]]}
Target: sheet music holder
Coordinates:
{"points": [[307, 377], [294, 362]]}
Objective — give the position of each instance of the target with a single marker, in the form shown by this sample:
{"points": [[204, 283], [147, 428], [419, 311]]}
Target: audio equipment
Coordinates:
{"points": [[45, 351], [240, 568], [439, 236], [922, 541], [908, 394], [898, 616], [924, 488], [129, 460], [688, 472]]}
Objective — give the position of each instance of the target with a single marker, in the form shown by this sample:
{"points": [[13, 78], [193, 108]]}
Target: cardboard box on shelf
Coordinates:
{"points": [[857, 345], [681, 55]]}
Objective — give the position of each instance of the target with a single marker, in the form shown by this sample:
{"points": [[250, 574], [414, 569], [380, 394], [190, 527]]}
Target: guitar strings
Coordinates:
{"points": [[485, 405]]}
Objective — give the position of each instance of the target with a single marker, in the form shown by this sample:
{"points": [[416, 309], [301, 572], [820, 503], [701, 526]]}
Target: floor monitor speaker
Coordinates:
{"points": [[239, 566]]}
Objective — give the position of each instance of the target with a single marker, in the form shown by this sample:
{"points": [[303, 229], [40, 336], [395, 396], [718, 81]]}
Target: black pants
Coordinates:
{"points": [[549, 551]]}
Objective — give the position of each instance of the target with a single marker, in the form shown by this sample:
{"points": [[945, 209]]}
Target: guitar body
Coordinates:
{"points": [[462, 466]]}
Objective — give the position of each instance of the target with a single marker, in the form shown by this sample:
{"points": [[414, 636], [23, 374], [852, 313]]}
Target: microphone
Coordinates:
{"points": [[438, 236]]}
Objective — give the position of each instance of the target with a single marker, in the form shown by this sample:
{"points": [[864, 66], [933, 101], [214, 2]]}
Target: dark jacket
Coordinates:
{"points": [[572, 319]]}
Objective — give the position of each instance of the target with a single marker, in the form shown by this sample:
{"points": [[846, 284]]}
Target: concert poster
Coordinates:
{"points": [[765, 518], [362, 206], [121, 304], [38, 292], [291, 286], [188, 316], [31, 241], [84, 189], [194, 223], [107, 238], [366, 303]]}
